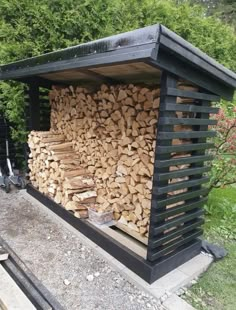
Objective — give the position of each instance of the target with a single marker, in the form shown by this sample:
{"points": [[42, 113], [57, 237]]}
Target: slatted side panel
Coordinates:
{"points": [[180, 173], [44, 109]]}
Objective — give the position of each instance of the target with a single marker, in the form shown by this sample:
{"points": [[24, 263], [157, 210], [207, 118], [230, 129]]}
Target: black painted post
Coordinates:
{"points": [[167, 80], [203, 103], [34, 106]]}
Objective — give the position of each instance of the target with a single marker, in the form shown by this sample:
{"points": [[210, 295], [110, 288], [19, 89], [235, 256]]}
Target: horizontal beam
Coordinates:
{"points": [[182, 160], [42, 95], [100, 78], [158, 241], [155, 230], [41, 100], [180, 173], [171, 63], [42, 82], [167, 135], [184, 147], [161, 251], [186, 121], [179, 197], [179, 185], [162, 215], [201, 65], [190, 94], [149, 271], [113, 57], [190, 108]]}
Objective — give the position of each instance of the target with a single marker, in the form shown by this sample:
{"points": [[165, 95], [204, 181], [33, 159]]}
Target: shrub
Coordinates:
{"points": [[223, 170]]}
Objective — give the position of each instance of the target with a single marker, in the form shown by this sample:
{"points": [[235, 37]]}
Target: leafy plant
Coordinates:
{"points": [[226, 215], [12, 103], [221, 213], [223, 170]]}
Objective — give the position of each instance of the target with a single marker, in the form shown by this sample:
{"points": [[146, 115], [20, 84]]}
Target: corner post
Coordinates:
{"points": [[167, 81], [34, 106]]}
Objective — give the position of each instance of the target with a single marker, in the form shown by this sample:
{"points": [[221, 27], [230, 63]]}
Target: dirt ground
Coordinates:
{"points": [[63, 262]]}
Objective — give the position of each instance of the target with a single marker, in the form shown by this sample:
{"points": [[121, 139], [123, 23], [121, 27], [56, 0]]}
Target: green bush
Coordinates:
{"points": [[221, 213], [30, 27], [223, 169]]}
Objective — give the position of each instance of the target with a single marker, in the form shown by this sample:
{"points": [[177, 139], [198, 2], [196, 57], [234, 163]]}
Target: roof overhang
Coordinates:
{"points": [[135, 56]]}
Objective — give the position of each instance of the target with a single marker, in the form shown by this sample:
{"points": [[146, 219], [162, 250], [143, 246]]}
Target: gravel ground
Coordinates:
{"points": [[71, 270]]}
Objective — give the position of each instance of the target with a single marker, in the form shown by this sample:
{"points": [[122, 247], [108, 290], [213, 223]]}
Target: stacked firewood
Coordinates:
{"points": [[114, 132], [55, 170], [107, 137]]}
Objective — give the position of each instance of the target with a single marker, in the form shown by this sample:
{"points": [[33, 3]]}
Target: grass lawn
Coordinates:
{"points": [[216, 289]]}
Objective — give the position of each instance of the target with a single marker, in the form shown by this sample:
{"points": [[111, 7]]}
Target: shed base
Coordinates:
{"points": [[149, 271]]}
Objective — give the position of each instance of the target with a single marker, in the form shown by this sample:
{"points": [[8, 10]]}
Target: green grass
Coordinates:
{"points": [[216, 289]]}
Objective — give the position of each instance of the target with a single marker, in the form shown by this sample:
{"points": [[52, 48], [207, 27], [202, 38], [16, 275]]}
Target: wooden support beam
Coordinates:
{"points": [[34, 106]]}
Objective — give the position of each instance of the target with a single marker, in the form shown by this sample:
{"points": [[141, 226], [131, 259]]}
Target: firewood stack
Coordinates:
{"points": [[107, 137], [56, 172], [114, 133]]}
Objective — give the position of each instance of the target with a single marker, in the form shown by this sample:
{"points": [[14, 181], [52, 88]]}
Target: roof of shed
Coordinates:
{"points": [[137, 56]]}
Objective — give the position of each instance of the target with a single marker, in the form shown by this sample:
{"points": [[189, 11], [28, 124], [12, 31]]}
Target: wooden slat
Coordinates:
{"points": [[42, 100], [186, 134], [154, 243], [166, 81], [184, 147], [186, 121], [190, 94], [160, 215], [182, 160], [171, 246], [179, 185], [191, 108], [132, 233], [180, 197], [41, 93], [181, 173], [176, 221]]}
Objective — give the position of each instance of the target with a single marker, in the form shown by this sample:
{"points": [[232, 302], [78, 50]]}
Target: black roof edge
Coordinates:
{"points": [[138, 37], [139, 43], [206, 63]]}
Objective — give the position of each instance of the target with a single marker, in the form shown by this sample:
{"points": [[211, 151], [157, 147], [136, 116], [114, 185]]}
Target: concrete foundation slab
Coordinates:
{"points": [[176, 303]]}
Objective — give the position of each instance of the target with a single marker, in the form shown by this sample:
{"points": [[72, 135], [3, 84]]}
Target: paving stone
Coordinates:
{"points": [[174, 302], [196, 266]]}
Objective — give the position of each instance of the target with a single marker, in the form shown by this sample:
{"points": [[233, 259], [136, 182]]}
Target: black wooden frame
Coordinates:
{"points": [[165, 251], [179, 226], [174, 232], [154, 44], [36, 292], [147, 270]]}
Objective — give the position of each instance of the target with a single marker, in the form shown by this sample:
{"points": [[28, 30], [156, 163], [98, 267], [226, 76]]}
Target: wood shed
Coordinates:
{"points": [[121, 124]]}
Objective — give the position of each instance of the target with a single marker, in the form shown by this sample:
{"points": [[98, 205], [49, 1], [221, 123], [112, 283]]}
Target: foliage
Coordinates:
{"points": [[215, 289], [221, 213], [223, 170], [12, 103], [224, 9], [29, 28], [227, 11]]}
